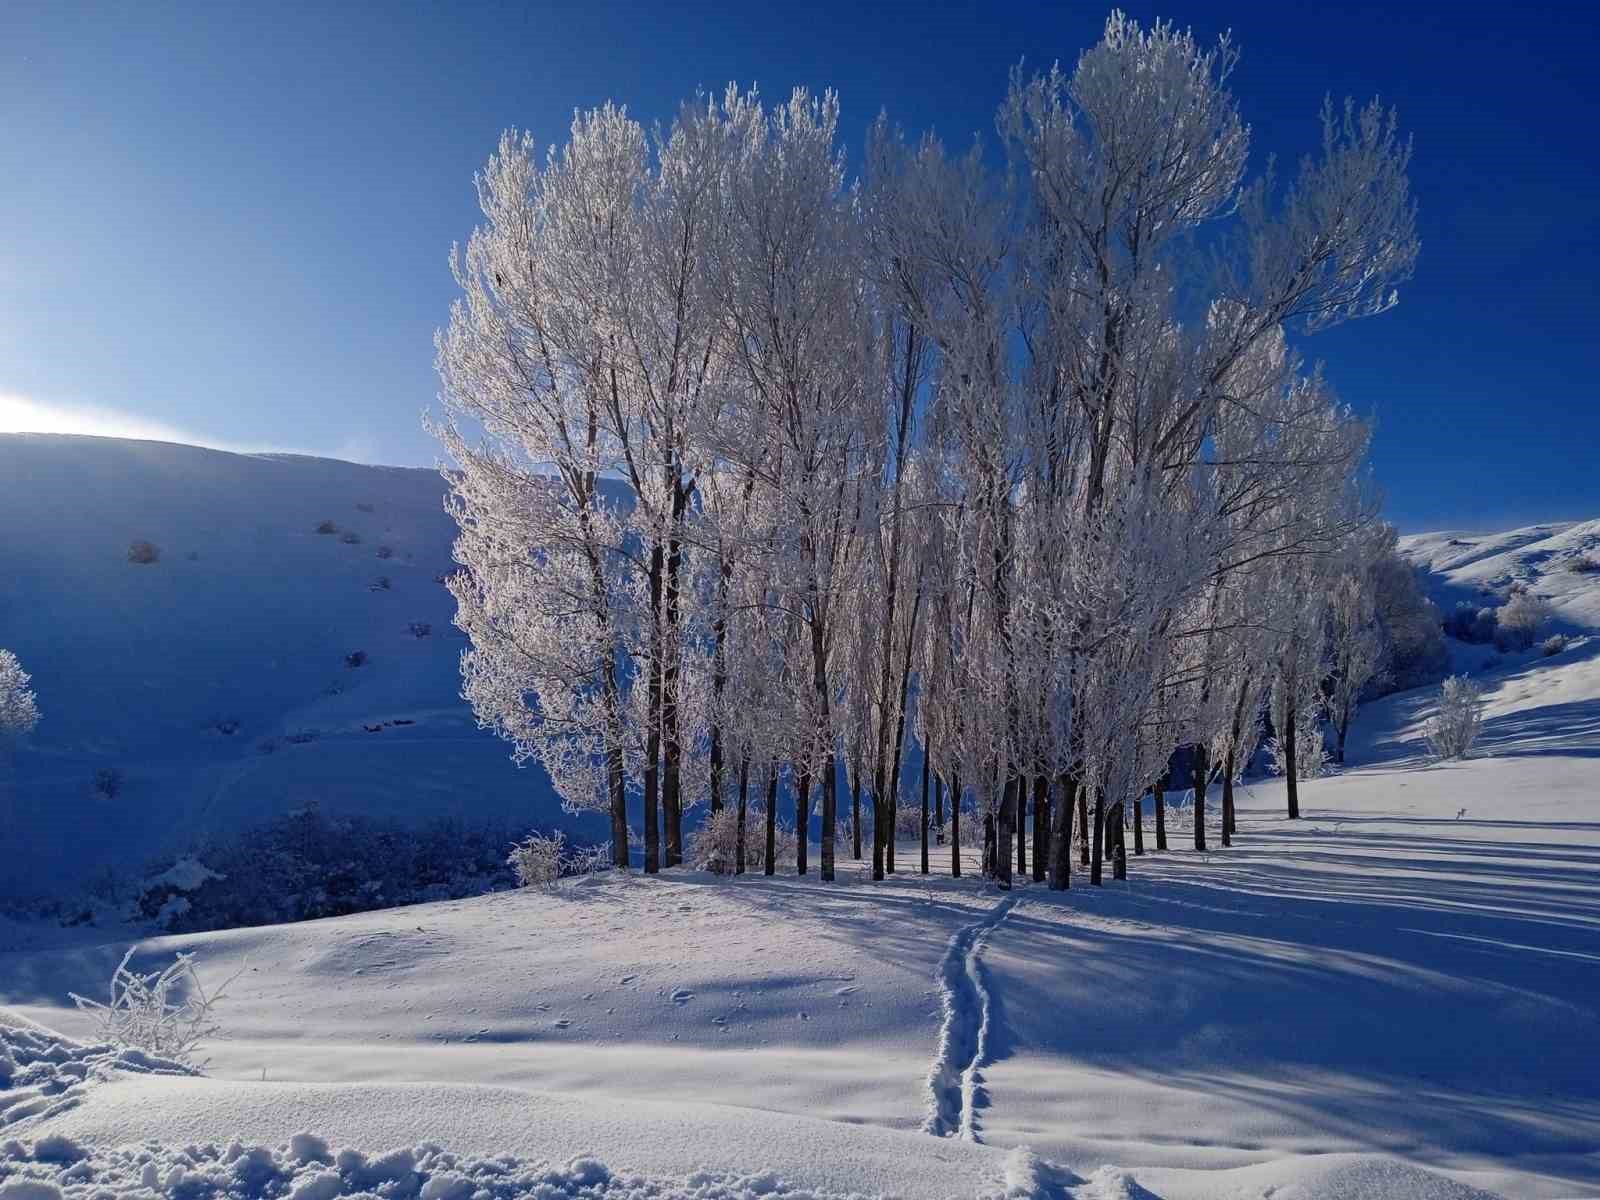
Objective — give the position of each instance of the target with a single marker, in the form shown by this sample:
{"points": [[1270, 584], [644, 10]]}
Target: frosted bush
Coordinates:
{"points": [[1554, 645], [714, 845], [1311, 753], [1521, 620], [587, 860], [19, 710], [536, 860], [1583, 564], [166, 1013], [908, 820], [1455, 723]]}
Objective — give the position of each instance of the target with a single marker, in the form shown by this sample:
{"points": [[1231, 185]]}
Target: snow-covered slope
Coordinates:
{"points": [[1475, 567], [1397, 996], [214, 680]]}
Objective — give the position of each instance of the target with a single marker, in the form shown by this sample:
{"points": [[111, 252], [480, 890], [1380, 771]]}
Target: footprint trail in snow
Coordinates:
{"points": [[955, 1078]]}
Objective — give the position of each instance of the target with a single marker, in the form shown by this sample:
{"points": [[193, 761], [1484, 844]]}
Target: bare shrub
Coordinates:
{"points": [[385, 551], [419, 629], [356, 658], [1457, 720], [327, 527], [363, 506], [144, 553], [1554, 645], [1583, 564], [536, 860], [1522, 619], [108, 782], [714, 845], [381, 584], [350, 537], [166, 1013]]}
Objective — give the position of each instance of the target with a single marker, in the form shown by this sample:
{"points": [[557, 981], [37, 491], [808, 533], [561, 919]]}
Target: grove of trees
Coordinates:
{"points": [[769, 471]]}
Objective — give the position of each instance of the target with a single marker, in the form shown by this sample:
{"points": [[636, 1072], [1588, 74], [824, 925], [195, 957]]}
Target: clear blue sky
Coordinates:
{"points": [[230, 223]]}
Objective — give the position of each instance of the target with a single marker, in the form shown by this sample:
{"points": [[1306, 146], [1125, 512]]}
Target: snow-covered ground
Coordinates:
{"points": [[214, 680], [1397, 996], [1478, 567]]}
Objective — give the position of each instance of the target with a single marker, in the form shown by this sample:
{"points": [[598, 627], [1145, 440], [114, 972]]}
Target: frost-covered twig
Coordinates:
{"points": [[166, 1013]]}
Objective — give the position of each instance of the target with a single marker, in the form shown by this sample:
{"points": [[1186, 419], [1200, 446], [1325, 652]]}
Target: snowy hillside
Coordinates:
{"points": [[1478, 568], [1396, 997], [214, 682]]}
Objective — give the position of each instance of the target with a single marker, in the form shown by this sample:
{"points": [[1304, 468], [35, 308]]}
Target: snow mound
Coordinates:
{"points": [[43, 1074], [307, 1169]]}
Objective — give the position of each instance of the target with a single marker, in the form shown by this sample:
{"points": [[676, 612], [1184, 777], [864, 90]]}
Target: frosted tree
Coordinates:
{"points": [[1456, 720], [19, 709], [1356, 648]]}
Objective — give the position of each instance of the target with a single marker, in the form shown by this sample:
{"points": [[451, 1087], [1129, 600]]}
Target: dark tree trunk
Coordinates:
{"points": [[716, 767], [1041, 827], [1098, 837], [1227, 799], [1022, 825], [1061, 836], [1007, 829], [1338, 745], [1119, 845], [1200, 797], [938, 810], [1290, 769], [771, 865], [924, 810], [830, 815], [1083, 825], [802, 818], [744, 797], [652, 746], [877, 836], [1160, 801], [1138, 826], [955, 824], [990, 842], [855, 811]]}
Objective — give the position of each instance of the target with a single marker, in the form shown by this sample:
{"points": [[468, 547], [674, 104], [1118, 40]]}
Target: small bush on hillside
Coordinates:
{"points": [[1583, 564], [1521, 621], [350, 537], [1457, 720], [107, 782], [385, 551], [381, 584], [536, 860], [419, 629], [327, 527], [714, 845], [144, 553], [356, 658], [1554, 645], [363, 506], [1471, 624], [227, 726]]}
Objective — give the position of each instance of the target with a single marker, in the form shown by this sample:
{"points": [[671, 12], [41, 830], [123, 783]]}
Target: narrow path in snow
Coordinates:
{"points": [[955, 1079]]}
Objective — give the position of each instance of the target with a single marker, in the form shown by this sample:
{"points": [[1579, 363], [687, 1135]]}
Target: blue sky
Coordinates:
{"points": [[229, 224]]}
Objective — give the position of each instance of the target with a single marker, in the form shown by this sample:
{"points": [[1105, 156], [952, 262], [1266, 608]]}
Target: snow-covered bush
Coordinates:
{"points": [[1522, 619], [714, 845], [1455, 723], [1472, 624], [587, 860], [166, 1013], [350, 537], [19, 711], [536, 859], [1311, 753], [908, 820], [326, 527], [1583, 564], [144, 553], [1554, 645]]}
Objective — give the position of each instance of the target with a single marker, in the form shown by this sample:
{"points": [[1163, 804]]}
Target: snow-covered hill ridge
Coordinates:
{"points": [[216, 685], [1481, 567]]}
